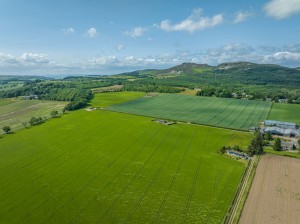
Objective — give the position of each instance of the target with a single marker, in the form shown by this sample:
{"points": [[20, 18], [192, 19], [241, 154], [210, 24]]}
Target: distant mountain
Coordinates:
{"points": [[22, 78]]}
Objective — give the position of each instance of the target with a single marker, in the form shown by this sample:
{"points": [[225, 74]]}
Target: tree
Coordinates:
{"points": [[223, 150], [277, 144], [25, 124], [6, 129], [32, 121], [54, 113], [268, 136], [256, 145]]}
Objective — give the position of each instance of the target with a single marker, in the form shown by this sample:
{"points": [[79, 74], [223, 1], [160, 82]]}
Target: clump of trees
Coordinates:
{"points": [[256, 144], [35, 121], [214, 91], [6, 129], [277, 145], [54, 114], [151, 87], [225, 148]]}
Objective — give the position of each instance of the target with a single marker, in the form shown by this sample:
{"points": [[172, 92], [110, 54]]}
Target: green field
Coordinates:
{"points": [[285, 112], [109, 98], [219, 112], [13, 111], [107, 167]]}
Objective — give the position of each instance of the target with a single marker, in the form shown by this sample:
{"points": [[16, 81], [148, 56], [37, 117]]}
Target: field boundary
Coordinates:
{"points": [[270, 110], [232, 211]]}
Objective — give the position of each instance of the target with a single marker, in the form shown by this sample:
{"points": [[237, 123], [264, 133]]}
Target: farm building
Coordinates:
{"points": [[287, 145], [289, 132], [280, 124]]}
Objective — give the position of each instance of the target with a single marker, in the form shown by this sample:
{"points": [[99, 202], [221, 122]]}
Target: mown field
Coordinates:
{"points": [[13, 111], [285, 112], [107, 167], [219, 112]]}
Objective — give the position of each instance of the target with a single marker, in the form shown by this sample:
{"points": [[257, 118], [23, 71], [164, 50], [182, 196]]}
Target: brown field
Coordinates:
{"points": [[275, 193]]}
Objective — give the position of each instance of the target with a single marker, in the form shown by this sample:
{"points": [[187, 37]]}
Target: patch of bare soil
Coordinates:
{"points": [[274, 196]]}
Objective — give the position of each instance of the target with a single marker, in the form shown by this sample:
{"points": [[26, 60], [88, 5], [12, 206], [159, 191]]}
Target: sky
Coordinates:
{"points": [[68, 37]]}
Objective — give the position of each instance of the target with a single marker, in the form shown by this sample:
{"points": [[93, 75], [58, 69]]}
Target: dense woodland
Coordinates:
{"points": [[230, 80]]}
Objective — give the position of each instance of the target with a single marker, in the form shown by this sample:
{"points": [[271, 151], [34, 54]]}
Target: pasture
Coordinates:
{"points": [[212, 111], [274, 196], [107, 167], [285, 112], [13, 111]]}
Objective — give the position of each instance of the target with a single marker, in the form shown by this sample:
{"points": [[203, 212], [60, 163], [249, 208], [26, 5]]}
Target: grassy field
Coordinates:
{"points": [[13, 111], [107, 167], [107, 99], [219, 112], [285, 112]]}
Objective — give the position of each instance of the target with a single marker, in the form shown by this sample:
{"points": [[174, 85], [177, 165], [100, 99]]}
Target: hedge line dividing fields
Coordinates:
{"points": [[107, 167], [211, 111]]}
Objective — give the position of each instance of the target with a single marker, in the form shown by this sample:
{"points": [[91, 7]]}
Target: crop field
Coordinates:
{"points": [[110, 98], [13, 111], [285, 112], [219, 112], [274, 196], [107, 167]]}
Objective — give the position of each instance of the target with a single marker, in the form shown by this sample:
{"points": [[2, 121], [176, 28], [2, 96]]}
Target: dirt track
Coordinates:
{"points": [[275, 193]]}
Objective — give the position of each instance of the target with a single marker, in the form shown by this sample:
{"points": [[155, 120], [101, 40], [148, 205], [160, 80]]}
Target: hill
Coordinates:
{"points": [[234, 72]]}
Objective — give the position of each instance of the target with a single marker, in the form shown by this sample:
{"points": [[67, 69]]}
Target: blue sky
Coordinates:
{"points": [[107, 37]]}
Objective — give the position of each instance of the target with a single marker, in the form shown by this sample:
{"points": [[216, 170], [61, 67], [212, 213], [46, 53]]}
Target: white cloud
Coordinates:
{"points": [[26, 59], [136, 32], [34, 63], [68, 31], [194, 22], [241, 16], [91, 32], [281, 9], [283, 57], [120, 47]]}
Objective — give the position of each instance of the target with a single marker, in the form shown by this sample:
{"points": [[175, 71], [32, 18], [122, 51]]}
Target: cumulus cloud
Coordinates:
{"points": [[91, 32], [34, 63], [26, 59], [283, 57], [68, 31], [281, 9], [241, 16], [136, 32], [195, 22]]}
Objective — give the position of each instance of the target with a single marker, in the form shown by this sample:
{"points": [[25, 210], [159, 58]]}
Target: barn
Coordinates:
{"points": [[280, 124]]}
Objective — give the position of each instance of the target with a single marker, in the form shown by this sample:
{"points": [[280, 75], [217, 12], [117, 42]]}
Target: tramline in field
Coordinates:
{"points": [[219, 112], [105, 167]]}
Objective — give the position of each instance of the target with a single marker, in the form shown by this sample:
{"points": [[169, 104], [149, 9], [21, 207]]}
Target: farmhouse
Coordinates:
{"points": [[280, 124]]}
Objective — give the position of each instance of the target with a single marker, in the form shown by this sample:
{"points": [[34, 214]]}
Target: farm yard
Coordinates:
{"points": [[275, 194], [107, 167], [219, 112], [14, 111]]}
